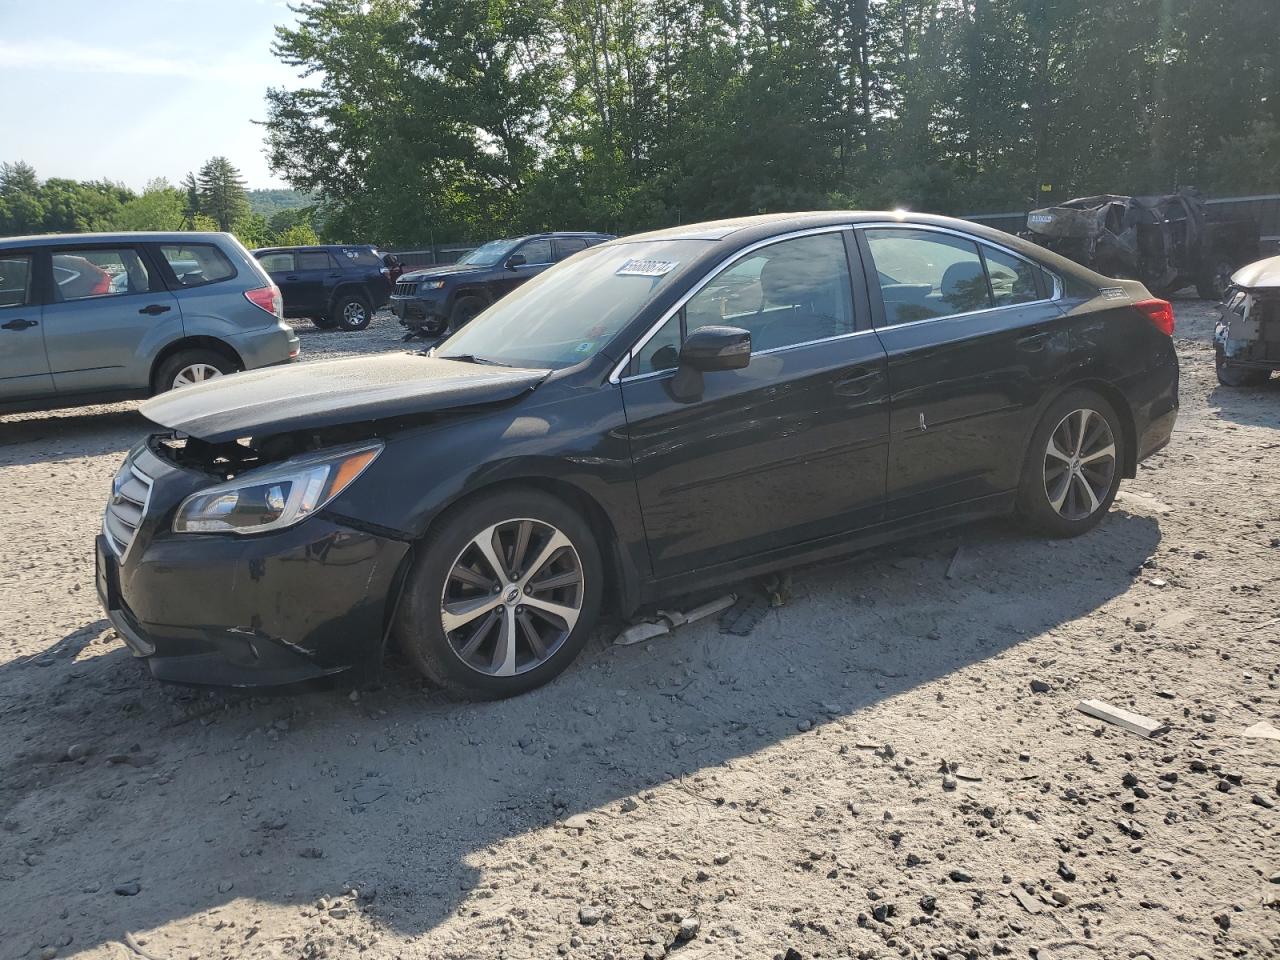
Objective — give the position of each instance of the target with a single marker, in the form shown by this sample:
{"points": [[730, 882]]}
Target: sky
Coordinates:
{"points": [[129, 90]]}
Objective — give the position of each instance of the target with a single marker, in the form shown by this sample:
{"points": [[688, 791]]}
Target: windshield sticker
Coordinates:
{"points": [[646, 268], [585, 346]]}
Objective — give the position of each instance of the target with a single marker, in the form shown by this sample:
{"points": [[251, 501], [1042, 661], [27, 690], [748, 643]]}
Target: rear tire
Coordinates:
{"points": [[482, 632], [464, 311], [1072, 469], [351, 312], [187, 367], [1230, 375]]}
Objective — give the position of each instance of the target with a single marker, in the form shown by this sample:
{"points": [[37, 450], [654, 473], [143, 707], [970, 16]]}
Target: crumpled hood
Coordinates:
{"points": [[307, 396], [1258, 275]]}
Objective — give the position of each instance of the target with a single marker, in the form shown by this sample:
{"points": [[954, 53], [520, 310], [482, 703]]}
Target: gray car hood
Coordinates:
{"points": [[1261, 274], [328, 393]]}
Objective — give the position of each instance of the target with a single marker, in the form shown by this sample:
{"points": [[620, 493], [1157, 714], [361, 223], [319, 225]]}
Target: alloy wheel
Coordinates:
{"points": [[1079, 464], [195, 373], [353, 313], [512, 597]]}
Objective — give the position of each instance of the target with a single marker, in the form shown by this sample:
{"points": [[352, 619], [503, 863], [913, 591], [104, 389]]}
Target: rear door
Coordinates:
{"points": [[314, 277], [790, 449], [974, 341], [108, 316], [281, 268], [24, 365]]}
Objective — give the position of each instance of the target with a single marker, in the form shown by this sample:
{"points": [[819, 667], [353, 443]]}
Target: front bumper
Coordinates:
{"points": [[305, 602], [419, 314]]}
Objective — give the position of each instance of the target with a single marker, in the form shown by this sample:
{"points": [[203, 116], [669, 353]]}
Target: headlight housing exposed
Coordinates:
{"points": [[431, 285], [276, 496]]}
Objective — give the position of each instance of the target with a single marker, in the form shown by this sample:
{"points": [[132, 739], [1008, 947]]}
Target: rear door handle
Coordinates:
{"points": [[1033, 342], [859, 382], [20, 324], [155, 309], [291, 277]]}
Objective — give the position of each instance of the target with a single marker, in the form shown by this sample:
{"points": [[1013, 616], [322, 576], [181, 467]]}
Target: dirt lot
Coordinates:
{"points": [[774, 795]]}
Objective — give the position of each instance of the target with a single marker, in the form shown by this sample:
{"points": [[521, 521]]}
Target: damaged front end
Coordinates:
{"points": [[1246, 336], [219, 562]]}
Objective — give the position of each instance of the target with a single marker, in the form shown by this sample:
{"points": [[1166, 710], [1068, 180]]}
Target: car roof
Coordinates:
{"points": [[124, 236], [328, 247]]}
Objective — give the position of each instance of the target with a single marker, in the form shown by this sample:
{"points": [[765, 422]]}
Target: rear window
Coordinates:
{"points": [[364, 256], [195, 264], [313, 260]]}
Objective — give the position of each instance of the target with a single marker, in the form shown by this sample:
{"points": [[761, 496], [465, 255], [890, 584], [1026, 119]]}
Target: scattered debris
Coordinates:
{"points": [[743, 617], [1134, 722], [1029, 903], [954, 566], [668, 620], [777, 587]]}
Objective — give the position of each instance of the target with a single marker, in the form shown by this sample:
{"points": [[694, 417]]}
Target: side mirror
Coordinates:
{"points": [[716, 348], [515, 260]]}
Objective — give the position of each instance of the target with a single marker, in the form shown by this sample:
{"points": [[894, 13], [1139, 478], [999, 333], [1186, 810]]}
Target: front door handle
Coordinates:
{"points": [[20, 324], [859, 382], [1033, 342], [155, 309]]}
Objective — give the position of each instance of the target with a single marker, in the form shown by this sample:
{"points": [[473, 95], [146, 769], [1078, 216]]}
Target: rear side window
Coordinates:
{"points": [[195, 264], [15, 280], [79, 274], [567, 246], [364, 256], [924, 275], [1013, 280], [276, 262], [313, 260]]}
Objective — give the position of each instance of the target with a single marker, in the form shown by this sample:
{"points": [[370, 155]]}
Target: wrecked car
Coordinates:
{"points": [[627, 426], [1246, 337], [1167, 242]]}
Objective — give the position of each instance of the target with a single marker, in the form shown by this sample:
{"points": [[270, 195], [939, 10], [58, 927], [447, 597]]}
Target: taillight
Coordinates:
{"points": [[1159, 312], [267, 298]]}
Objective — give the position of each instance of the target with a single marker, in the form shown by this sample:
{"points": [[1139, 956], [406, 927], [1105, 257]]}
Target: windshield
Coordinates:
{"points": [[488, 254], [565, 315]]}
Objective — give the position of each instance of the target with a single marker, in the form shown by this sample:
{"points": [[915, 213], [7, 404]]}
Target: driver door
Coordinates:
{"points": [[793, 448]]}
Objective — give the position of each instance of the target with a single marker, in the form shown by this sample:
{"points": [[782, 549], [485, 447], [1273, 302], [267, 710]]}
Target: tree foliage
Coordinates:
{"points": [[435, 119], [222, 193]]}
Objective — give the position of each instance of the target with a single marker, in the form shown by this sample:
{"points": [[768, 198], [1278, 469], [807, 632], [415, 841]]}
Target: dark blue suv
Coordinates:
{"points": [[434, 300], [334, 286]]}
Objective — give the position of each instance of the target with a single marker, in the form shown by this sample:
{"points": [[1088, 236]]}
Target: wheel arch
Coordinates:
{"points": [[192, 343], [1119, 402], [349, 288]]}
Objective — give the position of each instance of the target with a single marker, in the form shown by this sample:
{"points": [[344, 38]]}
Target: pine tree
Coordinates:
{"points": [[191, 200], [222, 193]]}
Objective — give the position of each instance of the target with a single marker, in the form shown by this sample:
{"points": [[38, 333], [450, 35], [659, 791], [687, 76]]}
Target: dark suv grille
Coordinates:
{"points": [[130, 492], [406, 288]]}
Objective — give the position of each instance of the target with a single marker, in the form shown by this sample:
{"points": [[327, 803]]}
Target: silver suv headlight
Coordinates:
{"points": [[276, 496]]}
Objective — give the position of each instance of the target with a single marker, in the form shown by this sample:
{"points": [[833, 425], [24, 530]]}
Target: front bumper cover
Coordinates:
{"points": [[305, 602]]}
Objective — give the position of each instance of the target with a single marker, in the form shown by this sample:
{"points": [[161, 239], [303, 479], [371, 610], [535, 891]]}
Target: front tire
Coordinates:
{"points": [[1230, 375], [351, 313], [503, 596], [1215, 281], [188, 367], [1072, 470], [464, 311]]}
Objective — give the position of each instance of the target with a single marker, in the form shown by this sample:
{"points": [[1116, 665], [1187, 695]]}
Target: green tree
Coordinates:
{"points": [[298, 235], [160, 207], [21, 207], [190, 188], [222, 193]]}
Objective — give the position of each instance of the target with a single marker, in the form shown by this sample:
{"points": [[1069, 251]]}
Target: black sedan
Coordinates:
{"points": [[657, 415]]}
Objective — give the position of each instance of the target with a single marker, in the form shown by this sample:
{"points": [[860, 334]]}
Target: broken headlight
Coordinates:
{"points": [[276, 496]]}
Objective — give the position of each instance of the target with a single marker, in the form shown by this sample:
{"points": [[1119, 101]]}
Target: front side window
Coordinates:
{"points": [[195, 264], [536, 251], [276, 262], [81, 274], [924, 274], [566, 314], [790, 292], [313, 260], [15, 280]]}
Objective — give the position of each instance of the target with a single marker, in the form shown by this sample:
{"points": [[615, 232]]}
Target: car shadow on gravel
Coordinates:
{"points": [[69, 434], [204, 798]]}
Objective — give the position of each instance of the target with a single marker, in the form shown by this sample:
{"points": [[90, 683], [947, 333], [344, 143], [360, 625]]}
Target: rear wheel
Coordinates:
{"points": [[1072, 471], [189, 367], [351, 312], [464, 311], [1230, 375], [1215, 281], [503, 596]]}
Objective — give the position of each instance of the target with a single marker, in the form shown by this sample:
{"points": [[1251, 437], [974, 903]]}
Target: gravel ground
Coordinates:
{"points": [[706, 795]]}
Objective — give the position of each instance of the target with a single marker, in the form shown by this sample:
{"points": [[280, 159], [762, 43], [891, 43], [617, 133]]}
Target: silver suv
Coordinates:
{"points": [[94, 318]]}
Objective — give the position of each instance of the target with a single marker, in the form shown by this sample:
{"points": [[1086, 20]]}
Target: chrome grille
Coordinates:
{"points": [[406, 288], [130, 493]]}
